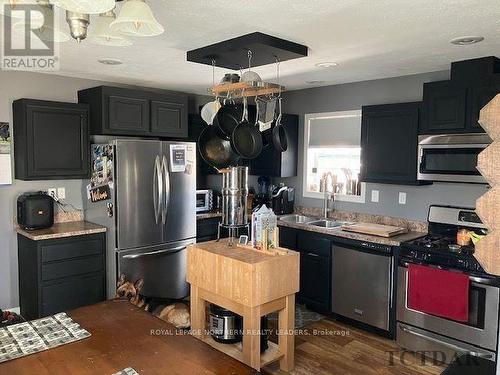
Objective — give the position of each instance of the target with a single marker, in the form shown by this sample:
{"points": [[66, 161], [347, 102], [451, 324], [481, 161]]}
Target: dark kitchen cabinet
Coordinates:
{"points": [[206, 229], [315, 270], [135, 112], [61, 274], [51, 140], [389, 136], [168, 118], [274, 163], [288, 238], [127, 115], [444, 108]]}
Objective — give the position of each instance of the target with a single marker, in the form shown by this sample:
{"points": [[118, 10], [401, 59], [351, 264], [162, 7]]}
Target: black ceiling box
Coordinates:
{"points": [[233, 53]]}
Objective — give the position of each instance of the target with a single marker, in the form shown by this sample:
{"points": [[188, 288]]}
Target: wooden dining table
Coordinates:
{"points": [[123, 336]]}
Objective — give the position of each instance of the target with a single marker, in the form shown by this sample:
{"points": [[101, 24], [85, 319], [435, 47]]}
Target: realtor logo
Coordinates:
{"points": [[28, 35]]}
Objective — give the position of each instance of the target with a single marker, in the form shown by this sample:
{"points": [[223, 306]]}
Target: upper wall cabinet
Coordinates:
{"points": [[453, 106], [118, 111], [274, 163], [51, 140], [389, 143]]}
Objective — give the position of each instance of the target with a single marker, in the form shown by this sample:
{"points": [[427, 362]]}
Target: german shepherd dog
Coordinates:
{"points": [[176, 314]]}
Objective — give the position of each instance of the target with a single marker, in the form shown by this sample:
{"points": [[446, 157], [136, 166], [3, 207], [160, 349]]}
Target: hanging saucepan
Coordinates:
{"points": [[246, 138], [215, 149], [227, 118], [279, 138]]}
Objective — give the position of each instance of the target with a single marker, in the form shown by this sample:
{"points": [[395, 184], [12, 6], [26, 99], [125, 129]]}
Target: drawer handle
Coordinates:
{"points": [[313, 255], [135, 256], [444, 343]]}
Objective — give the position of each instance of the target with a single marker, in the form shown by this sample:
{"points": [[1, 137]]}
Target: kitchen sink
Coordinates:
{"points": [[325, 223], [295, 218]]}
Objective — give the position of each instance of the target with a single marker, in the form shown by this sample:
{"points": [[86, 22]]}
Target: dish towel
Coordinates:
{"points": [[438, 292]]}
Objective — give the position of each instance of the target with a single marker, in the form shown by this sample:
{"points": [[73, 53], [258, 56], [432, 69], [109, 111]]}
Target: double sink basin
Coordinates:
{"points": [[306, 220]]}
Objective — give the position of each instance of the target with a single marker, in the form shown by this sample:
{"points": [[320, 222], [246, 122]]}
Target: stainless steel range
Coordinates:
{"points": [[420, 331]]}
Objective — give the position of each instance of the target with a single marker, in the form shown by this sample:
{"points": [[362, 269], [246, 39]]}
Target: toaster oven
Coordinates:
{"points": [[204, 200]]}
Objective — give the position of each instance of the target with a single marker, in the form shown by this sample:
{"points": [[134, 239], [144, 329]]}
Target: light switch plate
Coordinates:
{"points": [[61, 193], [375, 195], [402, 197]]}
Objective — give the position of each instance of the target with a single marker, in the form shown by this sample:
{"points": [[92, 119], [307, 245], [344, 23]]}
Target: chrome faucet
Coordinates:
{"points": [[328, 194]]}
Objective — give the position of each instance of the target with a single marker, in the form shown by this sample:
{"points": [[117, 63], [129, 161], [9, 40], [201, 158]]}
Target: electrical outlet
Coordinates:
{"points": [[61, 193], [52, 192], [375, 195], [402, 197]]}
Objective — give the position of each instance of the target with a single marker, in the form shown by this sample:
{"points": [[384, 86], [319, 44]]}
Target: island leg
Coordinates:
{"points": [[251, 337], [286, 338], [197, 312]]}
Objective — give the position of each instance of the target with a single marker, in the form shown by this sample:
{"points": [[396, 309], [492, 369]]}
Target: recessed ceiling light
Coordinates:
{"points": [[314, 82], [466, 40], [327, 64], [109, 61]]}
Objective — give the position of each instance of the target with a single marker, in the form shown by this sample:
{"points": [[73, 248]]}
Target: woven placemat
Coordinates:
{"points": [[22, 339]]}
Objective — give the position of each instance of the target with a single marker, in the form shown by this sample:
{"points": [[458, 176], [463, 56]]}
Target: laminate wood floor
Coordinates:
{"points": [[339, 349]]}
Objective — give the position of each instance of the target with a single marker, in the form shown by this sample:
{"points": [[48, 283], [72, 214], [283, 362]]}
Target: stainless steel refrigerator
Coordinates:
{"points": [[148, 192]]}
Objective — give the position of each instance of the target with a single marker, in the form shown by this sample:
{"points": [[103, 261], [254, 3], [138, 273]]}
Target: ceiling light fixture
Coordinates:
{"points": [[327, 64], [45, 27], [78, 24], [110, 61], [104, 35], [466, 40], [136, 18], [85, 6]]}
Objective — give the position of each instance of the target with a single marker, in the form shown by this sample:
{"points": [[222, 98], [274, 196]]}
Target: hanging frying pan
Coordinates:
{"points": [[215, 149], [227, 118], [279, 138], [246, 138]]}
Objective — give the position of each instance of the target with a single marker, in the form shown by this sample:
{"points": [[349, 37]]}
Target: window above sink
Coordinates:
{"points": [[332, 146]]}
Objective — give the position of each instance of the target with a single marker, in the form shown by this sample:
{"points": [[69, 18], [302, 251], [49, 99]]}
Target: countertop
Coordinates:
{"points": [[208, 215], [338, 232], [148, 344], [61, 230]]}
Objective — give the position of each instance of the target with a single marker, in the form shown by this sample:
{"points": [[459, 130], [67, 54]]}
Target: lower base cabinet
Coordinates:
{"points": [[315, 266], [61, 274]]}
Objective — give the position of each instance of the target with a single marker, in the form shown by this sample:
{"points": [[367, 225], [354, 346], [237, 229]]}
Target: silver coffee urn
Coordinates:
{"points": [[234, 201]]}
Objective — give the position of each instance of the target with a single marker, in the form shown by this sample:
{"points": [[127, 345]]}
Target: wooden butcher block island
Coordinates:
{"points": [[251, 284]]}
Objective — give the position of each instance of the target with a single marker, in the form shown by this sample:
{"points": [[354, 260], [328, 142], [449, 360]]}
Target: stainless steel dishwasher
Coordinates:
{"points": [[362, 282]]}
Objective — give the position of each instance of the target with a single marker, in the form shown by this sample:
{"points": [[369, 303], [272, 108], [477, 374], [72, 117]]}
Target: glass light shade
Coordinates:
{"points": [[85, 6], [101, 33], [137, 19], [35, 15]]}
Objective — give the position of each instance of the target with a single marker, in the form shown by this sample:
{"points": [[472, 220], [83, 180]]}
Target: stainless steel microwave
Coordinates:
{"points": [[451, 157], [204, 200]]}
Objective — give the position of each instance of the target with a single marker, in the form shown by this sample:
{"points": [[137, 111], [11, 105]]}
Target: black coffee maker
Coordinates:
{"points": [[282, 200]]}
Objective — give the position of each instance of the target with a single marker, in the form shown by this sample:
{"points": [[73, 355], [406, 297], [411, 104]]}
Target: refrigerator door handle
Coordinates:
{"points": [[157, 189], [158, 252], [166, 180]]}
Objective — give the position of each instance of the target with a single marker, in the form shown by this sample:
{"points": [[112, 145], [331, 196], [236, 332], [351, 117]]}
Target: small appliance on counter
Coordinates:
{"points": [[35, 210], [204, 200], [263, 194], [282, 200]]}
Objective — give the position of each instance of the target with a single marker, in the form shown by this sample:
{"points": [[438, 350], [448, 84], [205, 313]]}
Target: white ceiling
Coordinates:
{"points": [[369, 39]]}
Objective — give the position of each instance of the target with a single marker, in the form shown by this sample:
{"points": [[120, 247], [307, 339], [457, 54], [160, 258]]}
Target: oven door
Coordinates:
{"points": [[482, 328], [451, 158]]}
